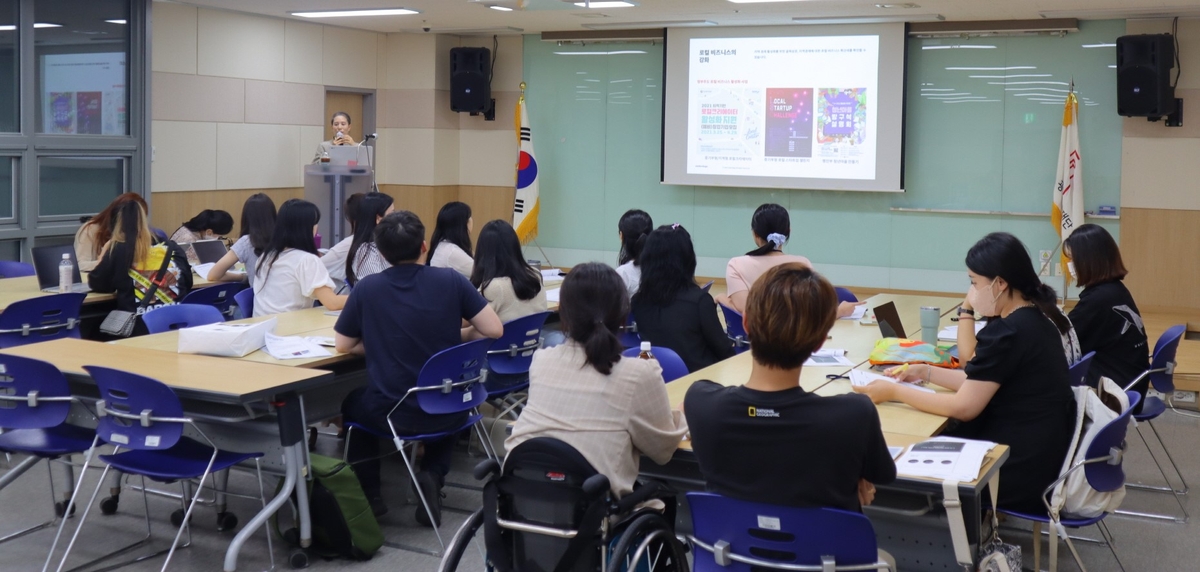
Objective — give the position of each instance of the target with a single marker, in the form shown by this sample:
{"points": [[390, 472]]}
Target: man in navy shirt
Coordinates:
{"points": [[398, 319]]}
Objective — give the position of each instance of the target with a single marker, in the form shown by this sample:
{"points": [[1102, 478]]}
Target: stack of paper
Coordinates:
{"points": [[824, 357], [552, 295], [551, 275], [201, 270], [293, 347], [944, 458], [950, 333], [861, 377]]}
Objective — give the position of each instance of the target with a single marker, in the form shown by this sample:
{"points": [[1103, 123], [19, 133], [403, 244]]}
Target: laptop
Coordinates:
{"points": [[209, 251], [45, 263], [889, 321]]}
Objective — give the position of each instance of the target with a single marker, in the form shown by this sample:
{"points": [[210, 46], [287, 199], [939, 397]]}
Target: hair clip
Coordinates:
{"points": [[674, 226]]}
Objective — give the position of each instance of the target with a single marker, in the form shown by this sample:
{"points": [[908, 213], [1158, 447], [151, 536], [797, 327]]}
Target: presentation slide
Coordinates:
{"points": [[783, 107], [84, 93], [797, 107]]}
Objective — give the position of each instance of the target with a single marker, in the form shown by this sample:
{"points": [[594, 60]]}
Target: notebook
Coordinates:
{"points": [[45, 264], [889, 321]]}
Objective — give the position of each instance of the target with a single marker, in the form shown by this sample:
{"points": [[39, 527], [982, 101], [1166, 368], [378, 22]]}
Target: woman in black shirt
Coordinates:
{"points": [[1015, 390], [670, 309], [1106, 317]]}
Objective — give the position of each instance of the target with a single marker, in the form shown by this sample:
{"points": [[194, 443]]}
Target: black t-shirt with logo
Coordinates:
{"points": [[786, 447]]}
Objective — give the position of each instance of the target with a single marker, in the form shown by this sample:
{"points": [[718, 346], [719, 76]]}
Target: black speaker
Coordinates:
{"points": [[1144, 65], [470, 79]]}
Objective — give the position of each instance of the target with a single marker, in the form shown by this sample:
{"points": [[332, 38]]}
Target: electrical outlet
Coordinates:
{"points": [[1044, 262], [1057, 269], [1184, 397]]}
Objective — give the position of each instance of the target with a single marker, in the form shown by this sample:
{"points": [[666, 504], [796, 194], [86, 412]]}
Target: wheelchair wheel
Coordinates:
{"points": [[662, 551], [462, 540]]}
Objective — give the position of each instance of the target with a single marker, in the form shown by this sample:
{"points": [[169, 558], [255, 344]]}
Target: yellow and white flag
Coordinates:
{"points": [[526, 206], [1066, 210]]}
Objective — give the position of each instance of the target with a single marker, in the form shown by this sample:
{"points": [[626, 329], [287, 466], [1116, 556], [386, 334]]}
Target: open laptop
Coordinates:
{"points": [[209, 251], [889, 321], [45, 263]]}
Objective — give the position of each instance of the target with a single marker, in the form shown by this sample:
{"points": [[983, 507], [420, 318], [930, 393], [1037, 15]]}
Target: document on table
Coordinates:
{"points": [[552, 275], [552, 295], [944, 458], [201, 270], [293, 347], [861, 377], [895, 452], [830, 357], [321, 340], [859, 312], [950, 333]]}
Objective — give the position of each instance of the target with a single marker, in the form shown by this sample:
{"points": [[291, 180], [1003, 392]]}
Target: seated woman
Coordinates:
{"points": [[611, 409], [363, 259], [771, 226], [1015, 390], [93, 235], [258, 224], [450, 245], [289, 275], [633, 228], [334, 259], [796, 448], [207, 225], [511, 286], [1106, 317], [670, 309], [131, 262]]}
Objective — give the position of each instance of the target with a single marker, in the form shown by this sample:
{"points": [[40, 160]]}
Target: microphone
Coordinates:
{"points": [[371, 136]]}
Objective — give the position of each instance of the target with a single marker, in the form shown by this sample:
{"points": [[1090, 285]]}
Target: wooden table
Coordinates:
{"points": [[26, 287]]}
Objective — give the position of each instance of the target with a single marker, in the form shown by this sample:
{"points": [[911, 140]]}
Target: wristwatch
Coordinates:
{"points": [[965, 312]]}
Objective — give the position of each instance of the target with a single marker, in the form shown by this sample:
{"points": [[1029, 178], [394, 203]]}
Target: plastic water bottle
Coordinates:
{"points": [[66, 273], [645, 354]]}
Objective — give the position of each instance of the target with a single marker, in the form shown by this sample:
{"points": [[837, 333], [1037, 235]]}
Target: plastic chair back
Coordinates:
{"points": [[707, 285], [629, 335], [14, 269], [672, 365], [134, 394], [1164, 359], [553, 338], [460, 363], [245, 301], [18, 377], [788, 535], [845, 295], [1106, 477], [220, 296], [54, 317], [1079, 370], [734, 328], [523, 334], [178, 316]]}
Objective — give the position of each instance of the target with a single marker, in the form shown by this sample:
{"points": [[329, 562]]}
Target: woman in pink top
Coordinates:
{"points": [[771, 226]]}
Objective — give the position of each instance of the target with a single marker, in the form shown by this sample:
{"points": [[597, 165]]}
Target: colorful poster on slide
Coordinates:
{"points": [[84, 93], [789, 122], [843, 117]]}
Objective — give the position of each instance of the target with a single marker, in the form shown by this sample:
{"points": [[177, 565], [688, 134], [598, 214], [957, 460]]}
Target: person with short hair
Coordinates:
{"points": [[769, 440], [398, 319], [1106, 318]]}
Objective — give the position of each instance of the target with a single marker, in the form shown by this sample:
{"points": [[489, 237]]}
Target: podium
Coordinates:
{"points": [[327, 186]]}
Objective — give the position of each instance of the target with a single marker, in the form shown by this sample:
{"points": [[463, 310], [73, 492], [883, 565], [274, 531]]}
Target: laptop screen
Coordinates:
{"points": [[209, 250], [45, 263], [889, 321]]}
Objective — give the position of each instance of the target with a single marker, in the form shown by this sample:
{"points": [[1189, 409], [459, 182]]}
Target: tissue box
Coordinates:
{"points": [[225, 340]]}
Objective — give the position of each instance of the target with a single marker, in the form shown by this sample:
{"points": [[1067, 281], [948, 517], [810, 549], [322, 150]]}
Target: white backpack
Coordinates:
{"points": [[1074, 497]]}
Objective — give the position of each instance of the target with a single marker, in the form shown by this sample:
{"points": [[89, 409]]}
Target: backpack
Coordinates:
{"points": [[342, 522], [1093, 410], [166, 277]]}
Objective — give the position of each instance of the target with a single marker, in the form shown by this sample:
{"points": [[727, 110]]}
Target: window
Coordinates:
{"points": [[79, 185], [81, 66]]}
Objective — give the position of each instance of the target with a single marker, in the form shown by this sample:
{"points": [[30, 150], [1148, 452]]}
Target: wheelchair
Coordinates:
{"points": [[548, 510]]}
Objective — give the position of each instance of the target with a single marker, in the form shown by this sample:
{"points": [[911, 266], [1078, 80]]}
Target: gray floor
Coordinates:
{"points": [[1143, 545]]}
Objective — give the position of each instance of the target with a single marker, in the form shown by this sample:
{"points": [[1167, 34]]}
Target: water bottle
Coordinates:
{"points": [[645, 354], [931, 318], [66, 273]]}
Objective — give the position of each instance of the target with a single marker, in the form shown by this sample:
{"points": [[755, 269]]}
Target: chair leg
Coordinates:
{"points": [[485, 442], [1037, 546], [1178, 473], [220, 485], [1168, 488], [21, 468], [262, 496], [18, 470], [78, 526], [187, 515], [1109, 541], [420, 494]]}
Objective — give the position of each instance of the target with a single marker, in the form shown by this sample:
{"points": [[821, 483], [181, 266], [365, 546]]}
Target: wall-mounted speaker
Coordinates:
{"points": [[470, 79], [1144, 65]]}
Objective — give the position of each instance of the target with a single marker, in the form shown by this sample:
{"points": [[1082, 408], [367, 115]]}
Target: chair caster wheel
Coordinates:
{"points": [[177, 517], [60, 509], [226, 521], [298, 559], [108, 506]]}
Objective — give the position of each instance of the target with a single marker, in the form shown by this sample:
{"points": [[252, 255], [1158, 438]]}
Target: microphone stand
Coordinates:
{"points": [[363, 143]]}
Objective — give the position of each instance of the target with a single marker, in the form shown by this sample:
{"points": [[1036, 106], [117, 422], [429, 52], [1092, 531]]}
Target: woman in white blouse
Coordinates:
{"points": [[289, 275], [363, 259], [511, 286], [450, 245]]}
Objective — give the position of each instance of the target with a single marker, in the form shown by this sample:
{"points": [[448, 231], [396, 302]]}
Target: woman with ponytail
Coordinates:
{"points": [[207, 225], [633, 228], [611, 409], [1015, 389], [771, 226]]}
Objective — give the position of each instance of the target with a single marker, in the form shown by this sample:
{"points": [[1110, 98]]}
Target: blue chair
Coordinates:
{"points": [[13, 269], [707, 285], [143, 420], [448, 384], [220, 296], [1079, 370], [34, 403], [1161, 373], [734, 329], [672, 365], [509, 359], [737, 536], [551, 338], [244, 300], [1102, 468], [629, 333], [40, 319], [178, 316], [845, 295]]}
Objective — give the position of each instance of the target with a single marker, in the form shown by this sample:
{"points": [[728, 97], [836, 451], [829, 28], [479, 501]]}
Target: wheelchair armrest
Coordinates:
{"points": [[486, 469], [595, 486], [648, 490]]}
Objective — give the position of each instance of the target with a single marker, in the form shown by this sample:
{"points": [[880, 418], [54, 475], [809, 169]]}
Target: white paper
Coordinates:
{"points": [[321, 340], [859, 312], [957, 459], [552, 295], [831, 357], [225, 339], [950, 333], [551, 275], [201, 270], [293, 347], [861, 377], [895, 452], [333, 312]]}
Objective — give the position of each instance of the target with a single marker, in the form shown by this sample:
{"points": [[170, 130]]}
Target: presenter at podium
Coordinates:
{"points": [[341, 126]]}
